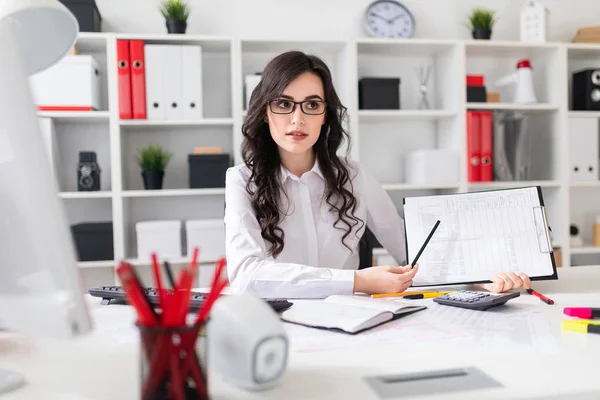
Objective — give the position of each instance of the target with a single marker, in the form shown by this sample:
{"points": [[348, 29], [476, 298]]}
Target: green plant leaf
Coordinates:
{"points": [[481, 18], [175, 10], [153, 158]]}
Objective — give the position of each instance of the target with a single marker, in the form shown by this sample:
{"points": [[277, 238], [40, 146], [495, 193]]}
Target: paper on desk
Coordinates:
{"points": [[514, 328], [115, 323], [395, 332]]}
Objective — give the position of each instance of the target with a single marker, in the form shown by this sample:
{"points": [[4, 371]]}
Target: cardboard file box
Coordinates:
{"points": [[93, 241], [208, 170], [162, 237], [73, 84], [379, 93], [432, 166], [208, 235]]}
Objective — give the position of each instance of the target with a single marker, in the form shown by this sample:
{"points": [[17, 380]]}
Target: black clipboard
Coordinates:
{"points": [[542, 228]]}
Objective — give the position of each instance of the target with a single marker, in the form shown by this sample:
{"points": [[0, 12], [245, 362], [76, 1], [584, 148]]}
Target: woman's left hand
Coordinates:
{"points": [[508, 280]]}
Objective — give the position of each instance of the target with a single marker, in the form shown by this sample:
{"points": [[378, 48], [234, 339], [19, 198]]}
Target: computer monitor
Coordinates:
{"points": [[40, 288]]}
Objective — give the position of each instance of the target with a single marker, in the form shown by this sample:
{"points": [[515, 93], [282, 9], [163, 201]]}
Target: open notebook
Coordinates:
{"points": [[480, 235], [350, 314]]}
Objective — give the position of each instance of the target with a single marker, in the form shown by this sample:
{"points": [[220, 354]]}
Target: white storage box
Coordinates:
{"points": [[583, 149], [431, 167], [162, 237], [252, 82], [208, 235], [71, 84]]}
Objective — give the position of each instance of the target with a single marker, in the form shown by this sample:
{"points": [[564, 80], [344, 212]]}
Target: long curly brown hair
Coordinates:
{"points": [[260, 152]]}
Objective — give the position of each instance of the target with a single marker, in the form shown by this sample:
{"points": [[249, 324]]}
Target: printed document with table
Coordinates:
{"points": [[481, 234]]}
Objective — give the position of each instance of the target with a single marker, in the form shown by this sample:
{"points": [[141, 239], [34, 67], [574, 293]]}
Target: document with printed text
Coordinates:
{"points": [[514, 328], [480, 235]]}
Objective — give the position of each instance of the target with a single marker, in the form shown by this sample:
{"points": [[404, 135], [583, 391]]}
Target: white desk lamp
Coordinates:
{"points": [[43, 31], [40, 290]]}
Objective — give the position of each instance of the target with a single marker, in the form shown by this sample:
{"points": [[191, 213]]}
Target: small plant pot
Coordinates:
{"points": [[176, 26], [153, 179], [484, 34]]}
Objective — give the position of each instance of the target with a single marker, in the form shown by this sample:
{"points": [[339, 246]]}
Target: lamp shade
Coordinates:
{"points": [[46, 29]]}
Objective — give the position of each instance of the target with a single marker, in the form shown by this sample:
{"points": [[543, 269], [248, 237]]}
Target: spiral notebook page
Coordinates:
{"points": [[480, 235]]}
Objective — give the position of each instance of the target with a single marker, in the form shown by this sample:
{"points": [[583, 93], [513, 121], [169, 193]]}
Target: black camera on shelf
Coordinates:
{"points": [[88, 172]]}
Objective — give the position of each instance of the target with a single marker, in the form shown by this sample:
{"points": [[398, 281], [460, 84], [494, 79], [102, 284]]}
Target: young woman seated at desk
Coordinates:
{"points": [[295, 209]]}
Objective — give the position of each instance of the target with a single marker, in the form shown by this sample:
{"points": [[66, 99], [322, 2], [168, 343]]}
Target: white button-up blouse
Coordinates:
{"points": [[314, 262]]}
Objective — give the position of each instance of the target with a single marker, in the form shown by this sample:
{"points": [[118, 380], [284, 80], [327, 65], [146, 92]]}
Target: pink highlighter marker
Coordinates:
{"points": [[582, 312]]}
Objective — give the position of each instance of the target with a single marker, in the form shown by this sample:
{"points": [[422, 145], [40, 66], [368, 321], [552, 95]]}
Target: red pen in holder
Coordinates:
{"points": [[171, 368]]}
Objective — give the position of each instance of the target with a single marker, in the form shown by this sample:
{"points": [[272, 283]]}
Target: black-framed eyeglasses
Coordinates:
{"points": [[309, 107]]}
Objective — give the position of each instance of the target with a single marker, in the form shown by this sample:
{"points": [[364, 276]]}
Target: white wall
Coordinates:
{"points": [[330, 19]]}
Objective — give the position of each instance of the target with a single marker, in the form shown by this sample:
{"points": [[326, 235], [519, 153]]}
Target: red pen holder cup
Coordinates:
{"points": [[171, 367]]}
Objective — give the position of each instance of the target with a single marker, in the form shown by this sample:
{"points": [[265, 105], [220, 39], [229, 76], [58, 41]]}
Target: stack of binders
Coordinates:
{"points": [[480, 146], [476, 90], [159, 82]]}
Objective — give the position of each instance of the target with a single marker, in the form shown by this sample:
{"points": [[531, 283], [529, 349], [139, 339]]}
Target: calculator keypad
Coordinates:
{"points": [[466, 296]]}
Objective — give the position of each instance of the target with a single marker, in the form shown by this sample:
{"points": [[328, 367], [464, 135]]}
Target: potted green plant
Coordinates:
{"points": [[176, 13], [481, 23], [153, 161]]}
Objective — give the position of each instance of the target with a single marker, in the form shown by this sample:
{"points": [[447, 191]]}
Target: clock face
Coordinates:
{"points": [[388, 18]]}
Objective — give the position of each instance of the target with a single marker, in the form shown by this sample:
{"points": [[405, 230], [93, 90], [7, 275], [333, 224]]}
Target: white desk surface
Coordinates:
{"points": [[100, 366]]}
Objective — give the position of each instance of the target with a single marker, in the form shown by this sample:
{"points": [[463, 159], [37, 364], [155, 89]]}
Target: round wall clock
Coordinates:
{"points": [[390, 19]]}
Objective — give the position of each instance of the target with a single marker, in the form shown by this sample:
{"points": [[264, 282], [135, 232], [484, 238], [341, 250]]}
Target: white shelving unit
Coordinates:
{"points": [[86, 195], [173, 192], [512, 107], [170, 123], [586, 250], [76, 116], [381, 138]]}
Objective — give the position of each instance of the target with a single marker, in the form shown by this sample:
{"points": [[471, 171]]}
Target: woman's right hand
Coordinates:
{"points": [[384, 279]]}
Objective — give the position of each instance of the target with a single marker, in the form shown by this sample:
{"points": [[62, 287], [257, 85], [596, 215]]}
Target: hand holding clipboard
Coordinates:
{"points": [[479, 221]]}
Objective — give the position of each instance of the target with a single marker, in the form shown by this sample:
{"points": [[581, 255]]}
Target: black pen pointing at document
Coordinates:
{"points": [[425, 244]]}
